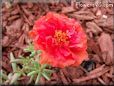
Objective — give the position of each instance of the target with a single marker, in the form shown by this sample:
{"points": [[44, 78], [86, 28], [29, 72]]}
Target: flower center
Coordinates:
{"points": [[61, 37]]}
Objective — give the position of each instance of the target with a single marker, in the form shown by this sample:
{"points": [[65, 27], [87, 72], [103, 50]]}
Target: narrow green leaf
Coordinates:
{"points": [[32, 54], [3, 76], [30, 48], [17, 61], [31, 79], [32, 73], [44, 66], [46, 75], [38, 78], [48, 71], [15, 77], [13, 64], [36, 65], [29, 68]]}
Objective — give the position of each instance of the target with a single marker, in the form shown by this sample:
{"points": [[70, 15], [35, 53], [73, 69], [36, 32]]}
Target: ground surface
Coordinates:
{"points": [[97, 22]]}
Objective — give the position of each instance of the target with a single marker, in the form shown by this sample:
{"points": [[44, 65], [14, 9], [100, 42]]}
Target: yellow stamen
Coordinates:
{"points": [[61, 37]]}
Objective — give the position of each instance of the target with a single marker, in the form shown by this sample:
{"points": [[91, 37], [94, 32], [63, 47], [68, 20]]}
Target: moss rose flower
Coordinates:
{"points": [[61, 39]]}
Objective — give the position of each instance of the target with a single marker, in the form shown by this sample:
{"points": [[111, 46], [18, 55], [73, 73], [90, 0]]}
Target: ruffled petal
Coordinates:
{"points": [[61, 39]]}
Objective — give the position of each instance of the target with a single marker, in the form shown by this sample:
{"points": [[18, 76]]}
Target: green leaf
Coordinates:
{"points": [[30, 48], [46, 75], [15, 77], [33, 54], [14, 66], [26, 61], [31, 73], [31, 79], [44, 66], [38, 78], [3, 76], [48, 71], [29, 68], [36, 65], [17, 61]]}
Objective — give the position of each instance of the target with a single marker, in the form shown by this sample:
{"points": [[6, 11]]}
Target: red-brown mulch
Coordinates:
{"points": [[18, 19]]}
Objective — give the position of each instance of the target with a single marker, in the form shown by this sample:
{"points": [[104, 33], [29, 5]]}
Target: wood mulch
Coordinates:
{"points": [[98, 23]]}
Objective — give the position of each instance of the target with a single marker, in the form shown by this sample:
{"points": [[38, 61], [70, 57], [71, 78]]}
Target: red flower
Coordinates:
{"points": [[61, 39]]}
